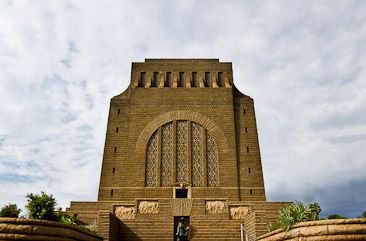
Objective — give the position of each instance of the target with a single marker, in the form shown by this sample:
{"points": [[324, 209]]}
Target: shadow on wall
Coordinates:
{"points": [[192, 231], [127, 234]]}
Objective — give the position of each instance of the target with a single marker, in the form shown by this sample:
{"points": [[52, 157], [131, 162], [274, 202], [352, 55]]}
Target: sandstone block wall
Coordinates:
{"points": [[31, 229], [336, 229]]}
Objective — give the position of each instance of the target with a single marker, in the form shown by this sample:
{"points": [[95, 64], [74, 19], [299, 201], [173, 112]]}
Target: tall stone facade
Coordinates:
{"points": [[181, 142]]}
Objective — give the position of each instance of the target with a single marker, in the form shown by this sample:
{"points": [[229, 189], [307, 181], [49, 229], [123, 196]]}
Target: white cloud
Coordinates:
{"points": [[61, 62]]}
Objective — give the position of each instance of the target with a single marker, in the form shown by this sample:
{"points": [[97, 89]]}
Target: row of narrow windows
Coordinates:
{"points": [[168, 82]]}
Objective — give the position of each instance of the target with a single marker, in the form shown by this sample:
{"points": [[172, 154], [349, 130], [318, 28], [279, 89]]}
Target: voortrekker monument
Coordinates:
{"points": [[181, 147]]}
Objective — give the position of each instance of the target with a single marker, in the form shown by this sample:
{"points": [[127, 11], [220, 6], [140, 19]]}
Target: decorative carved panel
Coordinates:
{"points": [[216, 207], [182, 151], [212, 162], [152, 161], [148, 207], [167, 155], [197, 155], [125, 212], [238, 212]]}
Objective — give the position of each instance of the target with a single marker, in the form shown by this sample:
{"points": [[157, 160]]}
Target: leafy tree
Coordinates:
{"points": [[41, 206], [10, 210], [314, 210], [364, 214], [336, 216]]}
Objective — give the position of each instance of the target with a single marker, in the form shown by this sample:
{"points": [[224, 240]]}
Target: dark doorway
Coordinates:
{"points": [[176, 221], [181, 193]]}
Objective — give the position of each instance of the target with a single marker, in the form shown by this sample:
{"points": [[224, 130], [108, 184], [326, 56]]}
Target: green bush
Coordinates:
{"points": [[295, 213], [314, 210], [10, 210], [66, 219], [41, 206], [364, 214], [88, 228], [336, 216]]}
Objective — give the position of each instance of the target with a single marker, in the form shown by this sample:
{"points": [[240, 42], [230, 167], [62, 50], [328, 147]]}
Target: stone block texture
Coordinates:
{"points": [[181, 141], [36, 230], [336, 229]]}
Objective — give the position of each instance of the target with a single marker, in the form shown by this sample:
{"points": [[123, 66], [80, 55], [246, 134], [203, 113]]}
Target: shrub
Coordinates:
{"points": [[10, 210], [314, 209], [295, 213], [66, 219], [41, 206], [364, 214], [336, 216]]}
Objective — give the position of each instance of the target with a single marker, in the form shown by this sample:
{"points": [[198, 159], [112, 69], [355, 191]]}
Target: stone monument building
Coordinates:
{"points": [[181, 142]]}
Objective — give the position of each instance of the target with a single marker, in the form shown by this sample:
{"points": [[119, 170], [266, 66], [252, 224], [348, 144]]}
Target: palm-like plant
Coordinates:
{"points": [[294, 213]]}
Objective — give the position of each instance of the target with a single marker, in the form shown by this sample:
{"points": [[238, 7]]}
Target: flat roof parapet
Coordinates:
{"points": [[180, 60]]}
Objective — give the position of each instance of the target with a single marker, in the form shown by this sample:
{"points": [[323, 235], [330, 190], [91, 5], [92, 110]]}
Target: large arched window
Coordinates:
{"points": [[181, 151]]}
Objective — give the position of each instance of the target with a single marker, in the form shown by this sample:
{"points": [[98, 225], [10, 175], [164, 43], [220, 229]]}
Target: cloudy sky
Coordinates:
{"points": [[303, 62]]}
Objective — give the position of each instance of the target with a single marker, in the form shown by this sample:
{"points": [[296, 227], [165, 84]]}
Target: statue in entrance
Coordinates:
{"points": [[182, 230]]}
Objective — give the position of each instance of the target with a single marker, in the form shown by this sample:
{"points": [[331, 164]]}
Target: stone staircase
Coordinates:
{"points": [[203, 230]]}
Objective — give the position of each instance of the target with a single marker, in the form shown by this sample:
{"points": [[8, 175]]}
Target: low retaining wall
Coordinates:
{"points": [[32, 229], [335, 229]]}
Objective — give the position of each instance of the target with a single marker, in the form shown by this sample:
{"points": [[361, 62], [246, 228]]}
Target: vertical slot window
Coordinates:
{"points": [[155, 80], [220, 79], [168, 79], [207, 79], [118, 111], [194, 79], [181, 79], [142, 79]]}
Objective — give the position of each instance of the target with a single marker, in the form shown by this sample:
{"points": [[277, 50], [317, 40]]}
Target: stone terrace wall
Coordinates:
{"points": [[336, 229], [31, 229]]}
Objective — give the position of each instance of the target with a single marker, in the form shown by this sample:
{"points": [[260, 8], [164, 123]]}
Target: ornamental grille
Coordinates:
{"points": [[152, 161], [187, 153], [167, 154], [182, 151]]}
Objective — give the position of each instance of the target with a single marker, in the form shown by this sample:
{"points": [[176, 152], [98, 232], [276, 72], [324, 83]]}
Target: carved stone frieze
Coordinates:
{"points": [[214, 207], [148, 207], [125, 212], [238, 212]]}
